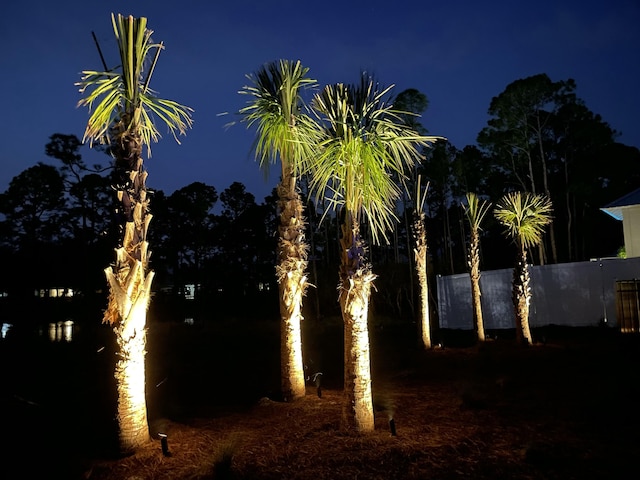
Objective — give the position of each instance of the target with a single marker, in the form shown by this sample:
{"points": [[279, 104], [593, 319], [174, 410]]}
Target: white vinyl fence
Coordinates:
{"points": [[570, 294]]}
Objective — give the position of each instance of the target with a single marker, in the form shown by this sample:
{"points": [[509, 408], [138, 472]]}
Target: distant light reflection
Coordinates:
{"points": [[53, 328], [67, 330], [5, 329], [61, 331]]}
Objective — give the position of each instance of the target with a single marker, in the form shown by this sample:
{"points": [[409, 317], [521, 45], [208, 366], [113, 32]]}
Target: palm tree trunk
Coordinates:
{"points": [[292, 284], [545, 182], [407, 229], [355, 289], [130, 367], [129, 293], [521, 298], [568, 200], [420, 255], [447, 238], [474, 264], [314, 271]]}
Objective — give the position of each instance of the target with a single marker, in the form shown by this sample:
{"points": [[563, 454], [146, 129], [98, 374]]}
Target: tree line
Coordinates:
{"points": [[540, 138], [60, 224]]}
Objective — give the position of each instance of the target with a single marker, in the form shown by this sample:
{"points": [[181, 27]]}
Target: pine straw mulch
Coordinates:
{"points": [[547, 412]]}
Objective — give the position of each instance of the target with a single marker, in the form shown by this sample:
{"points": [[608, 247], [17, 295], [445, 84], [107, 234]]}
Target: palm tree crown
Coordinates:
{"points": [[365, 147], [475, 210], [124, 103], [524, 216], [275, 108]]}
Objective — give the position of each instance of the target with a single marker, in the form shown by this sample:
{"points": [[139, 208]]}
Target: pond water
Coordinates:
{"points": [[57, 391], [55, 405], [59, 331]]}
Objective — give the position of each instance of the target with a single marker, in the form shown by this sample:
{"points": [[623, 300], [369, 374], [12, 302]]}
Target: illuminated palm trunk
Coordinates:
{"points": [[474, 273], [522, 298], [129, 295], [292, 283], [133, 428], [355, 289], [420, 256]]}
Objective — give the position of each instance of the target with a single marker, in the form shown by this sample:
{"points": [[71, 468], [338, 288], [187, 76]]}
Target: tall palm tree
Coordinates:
{"points": [[364, 143], [420, 256], [122, 107], [475, 211], [282, 134], [524, 216]]}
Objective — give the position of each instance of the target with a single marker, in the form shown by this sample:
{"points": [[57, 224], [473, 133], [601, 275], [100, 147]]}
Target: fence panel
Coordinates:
{"points": [[571, 294]]}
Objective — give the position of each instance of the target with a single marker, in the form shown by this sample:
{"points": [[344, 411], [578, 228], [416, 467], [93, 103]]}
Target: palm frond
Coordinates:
{"points": [[176, 117], [475, 210], [364, 148], [276, 109], [524, 216], [123, 98]]}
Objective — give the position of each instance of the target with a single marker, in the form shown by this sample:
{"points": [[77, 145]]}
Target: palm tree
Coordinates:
{"points": [[475, 210], [420, 256], [282, 134], [524, 216], [121, 108], [364, 143]]}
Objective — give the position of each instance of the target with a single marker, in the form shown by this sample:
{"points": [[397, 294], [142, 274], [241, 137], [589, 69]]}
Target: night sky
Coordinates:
{"points": [[459, 53]]}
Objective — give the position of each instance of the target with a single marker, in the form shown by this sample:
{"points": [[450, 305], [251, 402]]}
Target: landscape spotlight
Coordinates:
{"points": [[165, 444]]}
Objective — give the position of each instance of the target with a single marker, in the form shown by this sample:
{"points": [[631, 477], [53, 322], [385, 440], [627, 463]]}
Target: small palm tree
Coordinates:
{"points": [[121, 108], [363, 144], [420, 256], [276, 109], [524, 216], [475, 211]]}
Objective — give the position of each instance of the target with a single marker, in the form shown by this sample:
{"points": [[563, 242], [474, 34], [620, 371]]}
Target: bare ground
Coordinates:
{"points": [[568, 407]]}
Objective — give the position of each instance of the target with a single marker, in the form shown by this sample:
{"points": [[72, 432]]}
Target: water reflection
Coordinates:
{"points": [[61, 331], [5, 329]]}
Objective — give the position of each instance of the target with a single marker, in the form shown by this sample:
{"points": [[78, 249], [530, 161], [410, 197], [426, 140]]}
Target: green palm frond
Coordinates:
{"points": [[276, 110], [364, 148], [122, 101], [475, 210], [524, 216]]}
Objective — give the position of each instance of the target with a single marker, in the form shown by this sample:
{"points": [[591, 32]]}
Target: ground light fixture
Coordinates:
{"points": [[392, 426], [164, 442]]}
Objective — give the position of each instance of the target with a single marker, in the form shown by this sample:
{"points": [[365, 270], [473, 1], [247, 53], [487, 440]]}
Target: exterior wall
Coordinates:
{"points": [[631, 227]]}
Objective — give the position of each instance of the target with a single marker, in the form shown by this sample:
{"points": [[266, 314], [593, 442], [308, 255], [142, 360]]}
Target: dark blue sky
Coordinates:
{"points": [[459, 53]]}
